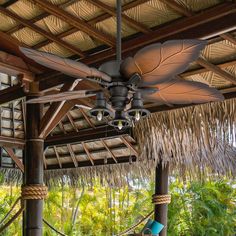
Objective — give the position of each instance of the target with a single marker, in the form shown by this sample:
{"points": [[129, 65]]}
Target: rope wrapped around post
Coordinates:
{"points": [[34, 191], [161, 199]]}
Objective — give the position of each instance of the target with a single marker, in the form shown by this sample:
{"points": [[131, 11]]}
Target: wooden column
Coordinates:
{"points": [[161, 188], [33, 161]]}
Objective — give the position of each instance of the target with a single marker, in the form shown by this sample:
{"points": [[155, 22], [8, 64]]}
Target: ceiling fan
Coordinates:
{"points": [[149, 75]]}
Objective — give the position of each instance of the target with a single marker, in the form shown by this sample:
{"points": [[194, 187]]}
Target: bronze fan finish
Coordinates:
{"points": [[184, 92], [66, 66], [158, 62]]}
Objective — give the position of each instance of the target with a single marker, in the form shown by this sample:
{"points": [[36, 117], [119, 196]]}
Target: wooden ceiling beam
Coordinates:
{"points": [[75, 22], [129, 145], [87, 118], [87, 153], [12, 155], [12, 93], [84, 136], [229, 37], [58, 157], [202, 25], [42, 32], [39, 17], [12, 142], [8, 3], [182, 10], [109, 150], [204, 69], [129, 21], [69, 116], [72, 154], [110, 161], [56, 112], [93, 21], [217, 70]]}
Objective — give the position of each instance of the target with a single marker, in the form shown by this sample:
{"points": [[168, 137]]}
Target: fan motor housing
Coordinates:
{"points": [[118, 97]]}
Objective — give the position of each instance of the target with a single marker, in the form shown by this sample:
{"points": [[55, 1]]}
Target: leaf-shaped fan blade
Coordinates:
{"points": [[66, 66], [184, 92], [158, 62], [69, 95]]}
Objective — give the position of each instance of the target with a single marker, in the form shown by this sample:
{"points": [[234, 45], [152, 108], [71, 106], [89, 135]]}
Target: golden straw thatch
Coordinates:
{"points": [[194, 140]]}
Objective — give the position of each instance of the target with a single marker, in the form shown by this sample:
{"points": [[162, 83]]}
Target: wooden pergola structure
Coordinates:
{"points": [[60, 136]]}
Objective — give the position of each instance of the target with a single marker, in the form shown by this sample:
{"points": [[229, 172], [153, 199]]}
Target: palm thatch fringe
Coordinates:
{"points": [[10, 176], [196, 141], [113, 175]]}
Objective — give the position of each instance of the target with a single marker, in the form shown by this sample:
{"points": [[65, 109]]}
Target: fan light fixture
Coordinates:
{"points": [[100, 110], [137, 111], [120, 122]]}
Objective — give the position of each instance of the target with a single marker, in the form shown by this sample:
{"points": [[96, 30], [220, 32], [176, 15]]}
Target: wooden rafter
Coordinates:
{"points": [[87, 152], [129, 145], [61, 125], [84, 136], [228, 37], [178, 8], [8, 3], [93, 21], [11, 45], [201, 25], [129, 21], [12, 93], [39, 17], [109, 150], [72, 121], [42, 32], [204, 69], [56, 112], [72, 154], [217, 70], [12, 155], [58, 157], [87, 118], [75, 22], [110, 161]]}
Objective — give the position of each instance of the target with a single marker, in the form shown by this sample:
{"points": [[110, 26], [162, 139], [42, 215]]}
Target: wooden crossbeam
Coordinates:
{"points": [[42, 32], [109, 150], [12, 93], [12, 155], [56, 111], [217, 70], [228, 37], [8, 3], [72, 122], [93, 21], [204, 69], [87, 152], [201, 25], [129, 145], [12, 142], [84, 136], [58, 157], [87, 118], [178, 8], [110, 161], [72, 154], [75, 22], [39, 17], [129, 21]]}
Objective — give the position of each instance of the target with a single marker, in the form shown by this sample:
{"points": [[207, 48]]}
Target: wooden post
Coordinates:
{"points": [[33, 161], [161, 188]]}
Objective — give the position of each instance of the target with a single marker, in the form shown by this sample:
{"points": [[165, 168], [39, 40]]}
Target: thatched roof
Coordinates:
{"points": [[193, 137]]}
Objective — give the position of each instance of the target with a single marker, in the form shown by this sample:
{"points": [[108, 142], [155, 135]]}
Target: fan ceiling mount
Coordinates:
{"points": [[148, 75]]}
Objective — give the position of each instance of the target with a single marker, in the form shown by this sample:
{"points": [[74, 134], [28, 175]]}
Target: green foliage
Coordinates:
{"points": [[197, 209]]}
